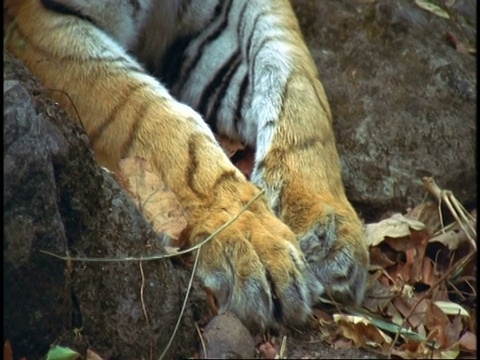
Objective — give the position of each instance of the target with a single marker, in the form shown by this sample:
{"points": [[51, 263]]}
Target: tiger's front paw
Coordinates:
{"points": [[254, 268], [331, 237]]}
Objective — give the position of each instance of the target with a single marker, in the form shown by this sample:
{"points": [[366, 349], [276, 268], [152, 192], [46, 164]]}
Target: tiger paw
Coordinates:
{"points": [[254, 267], [331, 237]]}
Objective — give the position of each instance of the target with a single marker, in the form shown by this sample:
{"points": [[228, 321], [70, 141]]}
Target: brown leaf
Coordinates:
{"points": [[429, 276], [426, 213], [436, 322], [267, 350], [7, 351], [229, 146], [403, 305], [468, 341], [414, 249], [361, 331], [91, 355], [379, 258], [245, 161], [158, 204]]}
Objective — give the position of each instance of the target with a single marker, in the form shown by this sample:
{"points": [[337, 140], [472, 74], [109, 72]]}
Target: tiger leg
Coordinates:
{"points": [[297, 163], [254, 267], [275, 102]]}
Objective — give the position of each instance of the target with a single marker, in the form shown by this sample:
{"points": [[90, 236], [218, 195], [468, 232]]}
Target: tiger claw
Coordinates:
{"points": [[339, 262]]}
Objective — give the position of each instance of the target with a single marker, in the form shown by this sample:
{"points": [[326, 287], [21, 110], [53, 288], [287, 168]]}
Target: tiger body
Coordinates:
{"points": [[242, 68]]}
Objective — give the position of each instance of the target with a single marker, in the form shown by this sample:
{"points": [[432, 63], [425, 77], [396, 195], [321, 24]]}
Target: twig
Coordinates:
{"points": [[463, 218], [197, 257], [71, 103], [162, 256], [204, 348], [283, 348], [142, 287]]}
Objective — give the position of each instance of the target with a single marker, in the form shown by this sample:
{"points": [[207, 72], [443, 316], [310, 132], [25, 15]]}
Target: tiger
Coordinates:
{"points": [[157, 79]]}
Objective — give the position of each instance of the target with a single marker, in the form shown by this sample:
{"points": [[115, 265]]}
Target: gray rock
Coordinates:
{"points": [[225, 337], [403, 99], [57, 199]]}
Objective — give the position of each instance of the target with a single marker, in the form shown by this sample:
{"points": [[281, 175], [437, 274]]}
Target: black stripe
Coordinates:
{"points": [[95, 134], [219, 84], [210, 38], [250, 38], [193, 165], [172, 62], [241, 19], [277, 305], [240, 99], [139, 117], [135, 5], [226, 176], [65, 10]]}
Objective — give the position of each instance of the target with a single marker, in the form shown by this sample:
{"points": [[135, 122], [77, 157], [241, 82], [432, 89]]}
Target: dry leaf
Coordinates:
{"points": [[468, 341], [158, 204], [361, 331], [426, 213], [420, 350], [451, 308], [91, 355], [7, 351], [459, 46], [268, 351], [451, 236], [397, 226], [245, 162], [380, 258], [414, 247], [229, 146]]}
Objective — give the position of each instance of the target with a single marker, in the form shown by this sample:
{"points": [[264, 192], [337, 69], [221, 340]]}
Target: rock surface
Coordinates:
{"points": [[57, 199], [225, 337], [403, 99]]}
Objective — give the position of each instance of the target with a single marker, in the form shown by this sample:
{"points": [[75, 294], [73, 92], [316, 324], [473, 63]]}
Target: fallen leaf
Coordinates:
{"points": [[62, 353], [245, 161], [380, 258], [459, 46], [434, 9], [450, 308], [91, 355], [426, 213], [468, 341], [451, 236], [229, 146], [397, 226], [421, 350], [267, 350], [7, 351], [361, 331], [158, 204]]}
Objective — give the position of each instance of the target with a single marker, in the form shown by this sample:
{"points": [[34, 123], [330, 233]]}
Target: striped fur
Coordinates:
{"points": [[239, 67]]}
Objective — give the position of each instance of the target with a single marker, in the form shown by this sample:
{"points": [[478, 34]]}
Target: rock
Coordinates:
{"points": [[225, 337], [57, 199], [403, 99]]}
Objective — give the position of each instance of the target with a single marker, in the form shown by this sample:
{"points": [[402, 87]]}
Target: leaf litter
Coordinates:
{"points": [[421, 298], [421, 294]]}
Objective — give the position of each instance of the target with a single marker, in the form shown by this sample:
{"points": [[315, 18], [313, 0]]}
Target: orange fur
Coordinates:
{"points": [[256, 263]]}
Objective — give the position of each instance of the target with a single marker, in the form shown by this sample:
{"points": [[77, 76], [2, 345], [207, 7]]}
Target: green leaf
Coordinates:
{"points": [[385, 324], [62, 353], [434, 9]]}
